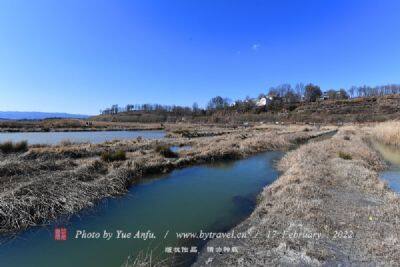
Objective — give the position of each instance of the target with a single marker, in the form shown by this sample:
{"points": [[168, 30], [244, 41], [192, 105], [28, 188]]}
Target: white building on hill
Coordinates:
{"points": [[264, 101]]}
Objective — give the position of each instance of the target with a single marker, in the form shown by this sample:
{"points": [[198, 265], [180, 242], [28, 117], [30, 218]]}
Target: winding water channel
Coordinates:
{"points": [[211, 198]]}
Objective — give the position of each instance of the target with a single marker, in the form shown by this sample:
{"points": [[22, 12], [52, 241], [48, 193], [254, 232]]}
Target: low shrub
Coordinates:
{"points": [[21, 146], [6, 147], [118, 155], [345, 155], [166, 151], [10, 147]]}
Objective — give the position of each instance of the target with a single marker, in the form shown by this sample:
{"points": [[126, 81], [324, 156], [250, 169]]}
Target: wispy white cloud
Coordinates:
{"points": [[255, 47]]}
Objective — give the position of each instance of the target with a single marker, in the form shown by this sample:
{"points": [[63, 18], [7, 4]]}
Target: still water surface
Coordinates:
{"points": [[212, 197], [94, 137], [392, 156]]}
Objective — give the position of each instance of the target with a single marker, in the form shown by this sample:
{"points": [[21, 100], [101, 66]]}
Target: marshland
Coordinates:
{"points": [[43, 182], [334, 188], [328, 184], [199, 133]]}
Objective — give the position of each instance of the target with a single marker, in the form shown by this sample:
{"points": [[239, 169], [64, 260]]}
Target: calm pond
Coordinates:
{"points": [[211, 198], [392, 156], [94, 137]]}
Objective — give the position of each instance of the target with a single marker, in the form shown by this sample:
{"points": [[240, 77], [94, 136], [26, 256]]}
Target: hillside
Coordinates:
{"points": [[135, 116], [324, 111], [352, 110]]}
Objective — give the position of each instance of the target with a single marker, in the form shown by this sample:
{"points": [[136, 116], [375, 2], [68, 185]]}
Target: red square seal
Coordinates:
{"points": [[60, 234]]}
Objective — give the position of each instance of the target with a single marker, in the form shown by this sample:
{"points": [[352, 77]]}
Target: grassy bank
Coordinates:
{"points": [[49, 181], [388, 133], [329, 191]]}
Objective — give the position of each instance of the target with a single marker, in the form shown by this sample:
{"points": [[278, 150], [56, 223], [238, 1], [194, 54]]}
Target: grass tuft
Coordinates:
{"points": [[165, 151], [10, 147], [118, 155], [345, 155]]}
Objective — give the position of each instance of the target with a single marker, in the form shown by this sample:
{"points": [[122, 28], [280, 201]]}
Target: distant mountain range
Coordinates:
{"points": [[32, 115]]}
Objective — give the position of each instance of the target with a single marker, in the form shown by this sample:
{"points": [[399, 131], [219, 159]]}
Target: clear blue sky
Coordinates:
{"points": [[83, 55]]}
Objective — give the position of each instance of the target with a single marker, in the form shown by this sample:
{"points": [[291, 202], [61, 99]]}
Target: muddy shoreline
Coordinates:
{"points": [[328, 207]]}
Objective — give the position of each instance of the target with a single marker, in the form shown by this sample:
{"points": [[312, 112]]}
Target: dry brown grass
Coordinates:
{"points": [[320, 192], [46, 198], [387, 133], [147, 259], [49, 181]]}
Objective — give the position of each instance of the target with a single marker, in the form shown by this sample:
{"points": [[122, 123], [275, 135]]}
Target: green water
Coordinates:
{"points": [[212, 197], [392, 156]]}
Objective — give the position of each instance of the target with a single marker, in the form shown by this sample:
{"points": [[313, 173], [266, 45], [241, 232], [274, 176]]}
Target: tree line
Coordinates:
{"points": [[284, 93], [154, 108]]}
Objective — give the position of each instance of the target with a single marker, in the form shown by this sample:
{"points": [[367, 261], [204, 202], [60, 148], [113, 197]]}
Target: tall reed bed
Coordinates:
{"points": [[387, 133]]}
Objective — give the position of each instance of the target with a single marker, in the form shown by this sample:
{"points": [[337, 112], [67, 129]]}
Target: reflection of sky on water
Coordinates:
{"points": [[393, 178], [52, 138], [392, 155], [208, 197]]}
